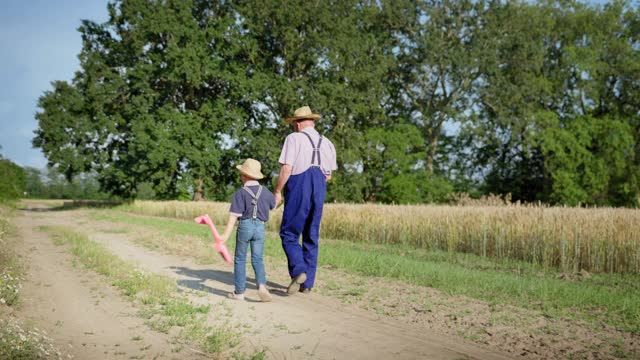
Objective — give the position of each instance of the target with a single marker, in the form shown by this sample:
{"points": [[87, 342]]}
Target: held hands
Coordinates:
{"points": [[278, 196]]}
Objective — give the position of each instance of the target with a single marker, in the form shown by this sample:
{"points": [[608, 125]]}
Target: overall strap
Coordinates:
{"points": [[255, 197], [316, 150]]}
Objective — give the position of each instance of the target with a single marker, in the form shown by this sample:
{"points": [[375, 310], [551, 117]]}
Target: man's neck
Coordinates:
{"points": [[306, 125]]}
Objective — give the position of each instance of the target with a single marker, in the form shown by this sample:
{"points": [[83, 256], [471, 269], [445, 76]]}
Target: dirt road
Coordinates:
{"points": [[89, 319], [86, 317]]}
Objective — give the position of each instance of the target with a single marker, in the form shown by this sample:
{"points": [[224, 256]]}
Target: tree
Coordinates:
{"points": [[12, 182], [549, 128], [440, 59], [160, 85], [331, 56]]}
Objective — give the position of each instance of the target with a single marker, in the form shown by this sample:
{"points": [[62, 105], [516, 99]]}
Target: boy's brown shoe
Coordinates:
{"points": [[234, 296], [263, 293], [295, 283]]}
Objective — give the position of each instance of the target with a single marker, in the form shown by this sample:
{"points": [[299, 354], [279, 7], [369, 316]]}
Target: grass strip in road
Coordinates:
{"points": [[156, 295], [607, 298]]}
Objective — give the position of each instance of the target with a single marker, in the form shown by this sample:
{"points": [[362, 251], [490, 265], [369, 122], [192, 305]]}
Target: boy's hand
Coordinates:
{"points": [[228, 229]]}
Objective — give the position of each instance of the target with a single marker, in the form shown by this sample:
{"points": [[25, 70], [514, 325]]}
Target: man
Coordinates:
{"points": [[306, 163]]}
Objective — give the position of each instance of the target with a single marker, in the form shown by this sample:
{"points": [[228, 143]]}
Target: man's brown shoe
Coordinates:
{"points": [[295, 283]]}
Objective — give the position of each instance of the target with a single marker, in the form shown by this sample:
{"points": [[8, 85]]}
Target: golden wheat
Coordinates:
{"points": [[569, 239]]}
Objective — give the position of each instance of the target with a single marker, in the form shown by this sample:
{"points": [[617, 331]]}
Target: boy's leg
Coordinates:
{"points": [[257, 253], [243, 235]]}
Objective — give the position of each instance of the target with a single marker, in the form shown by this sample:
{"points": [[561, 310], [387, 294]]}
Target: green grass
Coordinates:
{"points": [[610, 298], [11, 270], [18, 341], [219, 339], [613, 299], [156, 295]]}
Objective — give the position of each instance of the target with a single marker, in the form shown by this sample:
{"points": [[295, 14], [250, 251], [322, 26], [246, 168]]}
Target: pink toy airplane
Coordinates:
{"points": [[218, 245]]}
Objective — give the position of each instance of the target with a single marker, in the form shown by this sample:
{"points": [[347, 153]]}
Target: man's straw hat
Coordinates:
{"points": [[302, 113], [251, 168]]}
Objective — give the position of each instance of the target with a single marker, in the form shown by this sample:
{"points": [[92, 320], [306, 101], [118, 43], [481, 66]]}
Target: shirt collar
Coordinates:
{"points": [[311, 131], [251, 183]]}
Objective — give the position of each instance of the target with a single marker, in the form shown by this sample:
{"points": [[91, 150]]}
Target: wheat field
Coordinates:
{"points": [[567, 239]]}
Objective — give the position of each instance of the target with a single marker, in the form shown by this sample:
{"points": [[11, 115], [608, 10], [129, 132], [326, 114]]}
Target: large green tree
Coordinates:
{"points": [[440, 59], [333, 56], [160, 85]]}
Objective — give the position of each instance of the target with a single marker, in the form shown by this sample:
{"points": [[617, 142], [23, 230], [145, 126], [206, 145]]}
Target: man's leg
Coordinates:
{"points": [[296, 209], [310, 251], [311, 233]]}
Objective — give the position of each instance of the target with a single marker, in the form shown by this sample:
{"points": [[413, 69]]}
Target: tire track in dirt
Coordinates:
{"points": [[85, 316], [300, 326]]}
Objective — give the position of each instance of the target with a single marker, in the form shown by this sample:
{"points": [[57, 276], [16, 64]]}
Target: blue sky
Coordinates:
{"points": [[39, 43]]}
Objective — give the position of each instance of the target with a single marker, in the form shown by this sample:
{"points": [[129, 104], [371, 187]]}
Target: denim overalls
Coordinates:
{"points": [[304, 198]]}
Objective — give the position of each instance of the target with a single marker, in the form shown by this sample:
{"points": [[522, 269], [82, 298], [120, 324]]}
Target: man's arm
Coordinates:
{"points": [[285, 172]]}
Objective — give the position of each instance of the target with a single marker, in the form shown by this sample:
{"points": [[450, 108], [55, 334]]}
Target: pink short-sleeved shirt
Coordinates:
{"points": [[298, 152]]}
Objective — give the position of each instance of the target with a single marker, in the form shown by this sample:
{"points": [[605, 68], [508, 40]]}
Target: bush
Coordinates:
{"points": [[12, 181]]}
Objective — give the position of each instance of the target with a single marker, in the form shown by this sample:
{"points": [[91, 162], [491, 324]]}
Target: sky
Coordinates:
{"points": [[39, 43]]}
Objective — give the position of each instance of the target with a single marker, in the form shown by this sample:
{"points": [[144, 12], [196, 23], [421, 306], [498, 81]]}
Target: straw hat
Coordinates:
{"points": [[251, 168], [302, 113]]}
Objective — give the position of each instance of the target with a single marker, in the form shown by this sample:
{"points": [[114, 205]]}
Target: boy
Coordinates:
{"points": [[251, 205]]}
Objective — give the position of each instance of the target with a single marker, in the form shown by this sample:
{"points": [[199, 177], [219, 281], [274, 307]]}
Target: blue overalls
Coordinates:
{"points": [[304, 198]]}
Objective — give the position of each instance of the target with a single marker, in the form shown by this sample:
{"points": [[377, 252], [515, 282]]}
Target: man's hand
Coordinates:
{"points": [[285, 172]]}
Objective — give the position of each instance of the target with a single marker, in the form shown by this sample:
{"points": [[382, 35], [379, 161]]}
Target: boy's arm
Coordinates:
{"points": [[272, 202], [229, 228]]}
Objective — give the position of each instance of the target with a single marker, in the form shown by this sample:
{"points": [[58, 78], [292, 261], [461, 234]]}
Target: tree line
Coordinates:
{"points": [[422, 98], [27, 182]]}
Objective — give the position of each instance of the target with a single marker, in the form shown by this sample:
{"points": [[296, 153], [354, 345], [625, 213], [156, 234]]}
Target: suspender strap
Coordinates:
{"points": [[316, 150], [255, 197]]}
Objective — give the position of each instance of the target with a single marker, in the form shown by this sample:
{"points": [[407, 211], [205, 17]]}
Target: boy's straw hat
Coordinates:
{"points": [[302, 113], [251, 168]]}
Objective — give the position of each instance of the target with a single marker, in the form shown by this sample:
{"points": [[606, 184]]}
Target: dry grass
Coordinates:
{"points": [[568, 239]]}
